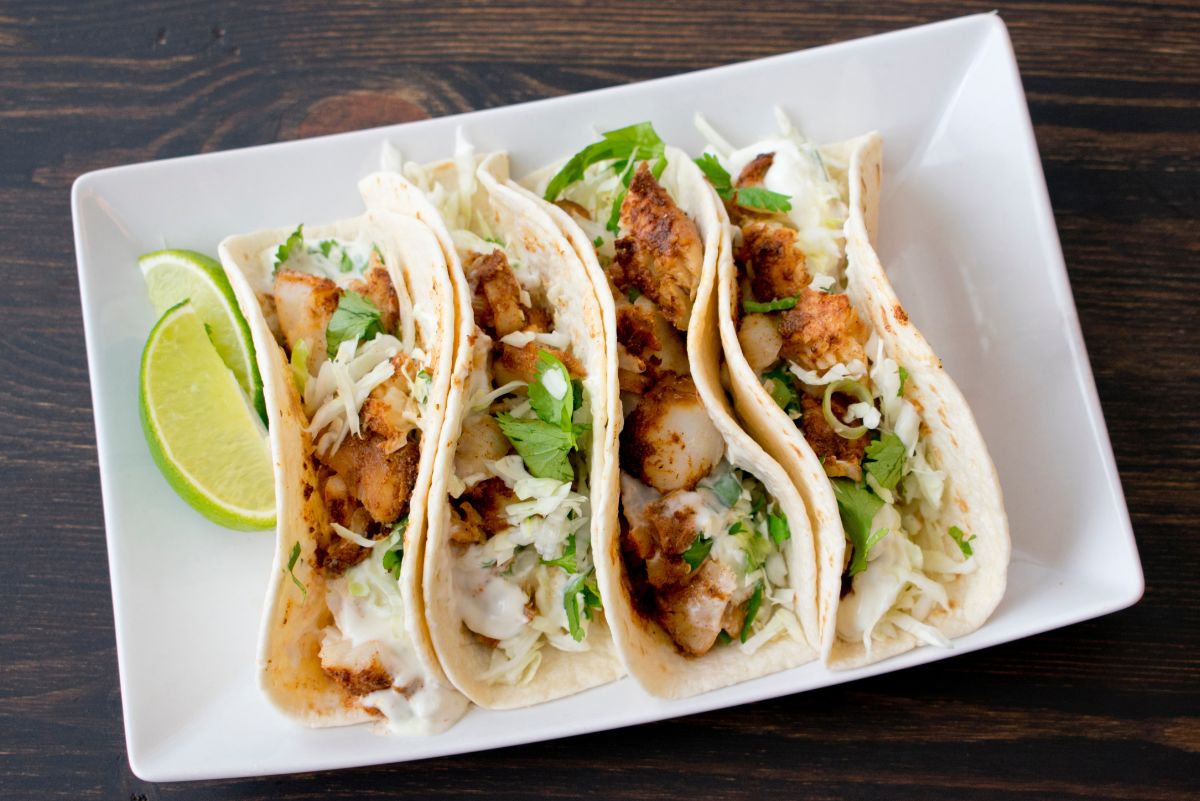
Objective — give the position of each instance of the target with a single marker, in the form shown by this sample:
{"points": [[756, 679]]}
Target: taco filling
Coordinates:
{"points": [[520, 506], [701, 540], [362, 376], [828, 371]]}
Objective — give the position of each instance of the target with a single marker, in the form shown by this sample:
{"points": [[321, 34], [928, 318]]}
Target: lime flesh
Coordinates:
{"points": [[207, 441], [173, 276]]}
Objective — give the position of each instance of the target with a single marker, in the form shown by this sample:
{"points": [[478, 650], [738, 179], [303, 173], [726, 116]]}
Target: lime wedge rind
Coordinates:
{"points": [[207, 442], [174, 275]]}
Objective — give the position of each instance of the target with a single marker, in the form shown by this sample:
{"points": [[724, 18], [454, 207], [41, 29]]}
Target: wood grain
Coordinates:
{"points": [[1105, 709]]}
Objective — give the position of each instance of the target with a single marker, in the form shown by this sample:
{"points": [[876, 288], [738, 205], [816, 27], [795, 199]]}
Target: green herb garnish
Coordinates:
{"points": [[542, 446], [356, 318], [752, 610], [393, 559], [750, 197], [294, 240], [583, 589], [326, 245], [783, 389], [698, 550], [777, 527], [778, 304], [567, 560], [857, 506], [295, 557], [903, 378], [549, 408], [633, 294], [544, 443], [885, 460], [727, 488], [625, 146], [964, 542]]}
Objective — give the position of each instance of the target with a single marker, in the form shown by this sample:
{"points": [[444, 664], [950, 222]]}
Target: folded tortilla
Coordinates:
{"points": [[648, 650], [541, 661], [950, 451], [343, 646]]}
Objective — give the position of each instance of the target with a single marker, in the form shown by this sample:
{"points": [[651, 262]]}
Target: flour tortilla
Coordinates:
{"points": [[570, 292], [972, 499], [289, 665], [647, 650]]}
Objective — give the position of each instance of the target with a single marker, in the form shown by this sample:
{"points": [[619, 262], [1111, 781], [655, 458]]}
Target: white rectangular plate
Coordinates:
{"points": [[966, 233]]}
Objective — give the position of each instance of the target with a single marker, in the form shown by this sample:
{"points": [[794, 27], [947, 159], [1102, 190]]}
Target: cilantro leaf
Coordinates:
{"points": [[964, 542], [777, 527], [885, 460], [727, 488], [757, 197], [633, 294], [758, 498], [698, 550], [582, 587], [783, 389], [567, 560], [717, 175], [294, 240], [903, 378], [356, 318], [598, 242], [551, 395], [393, 559], [778, 304], [752, 610], [857, 506], [326, 245], [292, 559], [613, 145], [750, 197], [346, 264], [542, 446]]}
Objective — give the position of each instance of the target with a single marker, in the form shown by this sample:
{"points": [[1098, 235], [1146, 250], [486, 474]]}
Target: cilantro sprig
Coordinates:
{"points": [[750, 197], [581, 595], [752, 610], [697, 551], [962, 540], [356, 318], [295, 240], [613, 145], [567, 561], [783, 389], [777, 527], [857, 506], [291, 569], [545, 443], [885, 460], [625, 147]]}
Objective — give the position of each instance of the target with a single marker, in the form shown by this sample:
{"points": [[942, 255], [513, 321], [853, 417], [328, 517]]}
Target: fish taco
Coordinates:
{"points": [[353, 327], [518, 499], [709, 578], [835, 380]]}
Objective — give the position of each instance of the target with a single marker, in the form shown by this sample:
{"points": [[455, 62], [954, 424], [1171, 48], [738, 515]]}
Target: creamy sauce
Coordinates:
{"points": [[370, 626], [489, 605]]}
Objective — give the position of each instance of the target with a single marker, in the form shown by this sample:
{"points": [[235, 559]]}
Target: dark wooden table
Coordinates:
{"points": [[1109, 708]]}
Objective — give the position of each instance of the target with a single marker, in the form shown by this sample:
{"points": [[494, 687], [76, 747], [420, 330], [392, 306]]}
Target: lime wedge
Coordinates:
{"points": [[207, 441], [173, 276]]}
